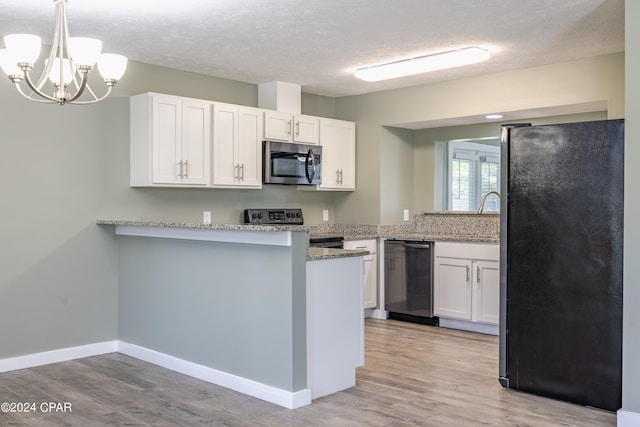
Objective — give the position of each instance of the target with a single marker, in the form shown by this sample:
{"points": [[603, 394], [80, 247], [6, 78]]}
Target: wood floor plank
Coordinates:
{"points": [[414, 375]]}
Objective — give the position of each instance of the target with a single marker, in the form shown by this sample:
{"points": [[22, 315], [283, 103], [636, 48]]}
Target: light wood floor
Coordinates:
{"points": [[414, 376]]}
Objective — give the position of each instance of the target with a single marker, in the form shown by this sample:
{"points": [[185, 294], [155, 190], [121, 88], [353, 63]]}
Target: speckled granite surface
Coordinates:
{"points": [[313, 254], [199, 225], [452, 226], [317, 254], [443, 226]]}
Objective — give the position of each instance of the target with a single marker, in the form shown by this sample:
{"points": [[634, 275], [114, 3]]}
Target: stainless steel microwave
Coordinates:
{"points": [[295, 164]]}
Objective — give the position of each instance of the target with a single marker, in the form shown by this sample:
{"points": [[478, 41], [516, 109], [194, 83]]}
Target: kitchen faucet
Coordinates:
{"points": [[484, 199]]}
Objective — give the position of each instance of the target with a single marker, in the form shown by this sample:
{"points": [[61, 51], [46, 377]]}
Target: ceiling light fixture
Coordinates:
{"points": [[70, 60], [423, 64], [493, 116]]}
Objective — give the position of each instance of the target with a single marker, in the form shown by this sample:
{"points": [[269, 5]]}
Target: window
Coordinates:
{"points": [[473, 169]]}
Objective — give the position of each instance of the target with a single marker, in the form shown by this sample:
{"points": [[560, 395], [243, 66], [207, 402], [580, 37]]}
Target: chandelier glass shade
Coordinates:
{"points": [[67, 68]]}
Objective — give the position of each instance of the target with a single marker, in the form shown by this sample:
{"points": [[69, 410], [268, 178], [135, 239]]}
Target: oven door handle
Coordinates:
{"points": [[311, 157]]}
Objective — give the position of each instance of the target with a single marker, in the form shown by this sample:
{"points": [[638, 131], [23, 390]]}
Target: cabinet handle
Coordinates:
{"points": [[242, 174], [289, 128], [337, 176], [186, 169], [467, 273], [478, 274], [298, 128], [181, 164], [340, 176]]}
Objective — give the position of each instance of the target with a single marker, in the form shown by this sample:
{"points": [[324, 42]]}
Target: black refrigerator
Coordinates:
{"points": [[561, 261]]}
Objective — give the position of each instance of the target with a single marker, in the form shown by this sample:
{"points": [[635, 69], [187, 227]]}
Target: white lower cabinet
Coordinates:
{"points": [[467, 282], [370, 269]]}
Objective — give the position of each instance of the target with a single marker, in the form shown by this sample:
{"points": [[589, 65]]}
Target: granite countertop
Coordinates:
{"points": [[443, 237], [313, 254], [199, 225], [317, 254], [434, 226]]}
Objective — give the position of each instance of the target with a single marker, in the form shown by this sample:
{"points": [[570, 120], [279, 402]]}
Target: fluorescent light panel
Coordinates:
{"points": [[423, 64]]}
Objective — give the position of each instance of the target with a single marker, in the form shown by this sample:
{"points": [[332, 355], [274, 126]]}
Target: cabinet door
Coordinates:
{"points": [[277, 125], [330, 161], [306, 129], [338, 154], [487, 298], [370, 282], [370, 270], [250, 147], [196, 140], [225, 137], [347, 155], [452, 288], [167, 140]]}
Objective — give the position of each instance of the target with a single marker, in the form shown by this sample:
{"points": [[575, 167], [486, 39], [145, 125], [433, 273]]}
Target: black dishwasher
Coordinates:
{"points": [[408, 281]]}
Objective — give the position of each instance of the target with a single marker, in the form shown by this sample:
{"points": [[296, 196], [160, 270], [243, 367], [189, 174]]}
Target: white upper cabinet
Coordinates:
{"points": [[170, 141], [338, 141], [237, 142], [291, 128]]}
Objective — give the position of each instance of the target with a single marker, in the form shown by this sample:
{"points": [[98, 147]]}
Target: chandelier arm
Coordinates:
{"points": [[27, 78], [57, 45], [95, 100], [42, 101], [83, 85], [88, 88]]}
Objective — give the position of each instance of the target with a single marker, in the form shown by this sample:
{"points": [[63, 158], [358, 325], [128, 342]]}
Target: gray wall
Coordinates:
{"points": [[61, 168], [197, 301], [631, 325], [591, 81]]}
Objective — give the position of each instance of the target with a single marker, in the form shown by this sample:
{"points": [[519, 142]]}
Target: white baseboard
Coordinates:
{"points": [[628, 419], [287, 399], [55, 356], [464, 325], [379, 314]]}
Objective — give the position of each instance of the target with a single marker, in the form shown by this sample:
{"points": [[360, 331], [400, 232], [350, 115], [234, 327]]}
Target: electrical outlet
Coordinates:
{"points": [[406, 214], [325, 215], [206, 217]]}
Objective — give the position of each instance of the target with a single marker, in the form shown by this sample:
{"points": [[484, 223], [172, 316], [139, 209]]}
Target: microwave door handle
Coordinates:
{"points": [[311, 157]]}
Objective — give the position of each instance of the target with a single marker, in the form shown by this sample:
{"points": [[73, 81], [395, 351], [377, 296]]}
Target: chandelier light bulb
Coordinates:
{"points": [[9, 63], [68, 69], [112, 66], [25, 47], [84, 51]]}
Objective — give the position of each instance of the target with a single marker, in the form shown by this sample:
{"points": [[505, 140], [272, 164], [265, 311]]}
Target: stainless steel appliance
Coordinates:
{"points": [[408, 276], [294, 164], [273, 216], [561, 261]]}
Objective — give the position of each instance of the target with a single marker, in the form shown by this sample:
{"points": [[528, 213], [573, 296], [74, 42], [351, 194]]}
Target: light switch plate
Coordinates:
{"points": [[406, 214], [325, 215], [206, 217]]}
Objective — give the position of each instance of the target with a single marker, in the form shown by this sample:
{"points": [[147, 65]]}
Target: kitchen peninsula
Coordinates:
{"points": [[248, 307]]}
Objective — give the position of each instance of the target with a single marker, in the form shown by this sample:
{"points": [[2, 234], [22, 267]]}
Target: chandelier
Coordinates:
{"points": [[67, 67]]}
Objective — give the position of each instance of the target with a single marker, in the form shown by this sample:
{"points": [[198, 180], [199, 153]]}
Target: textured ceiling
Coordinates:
{"points": [[319, 43]]}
